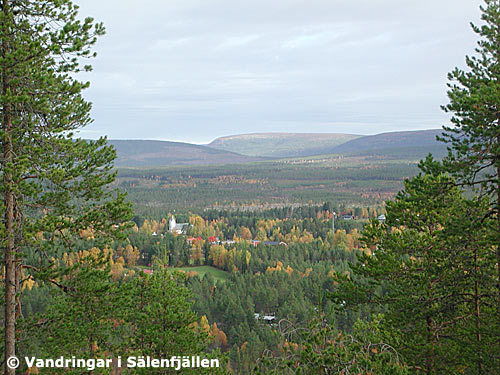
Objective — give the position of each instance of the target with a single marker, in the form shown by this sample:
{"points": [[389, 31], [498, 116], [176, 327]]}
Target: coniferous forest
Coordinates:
{"points": [[326, 265]]}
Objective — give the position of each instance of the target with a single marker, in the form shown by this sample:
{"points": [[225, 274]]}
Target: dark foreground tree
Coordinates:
{"points": [[433, 272], [140, 315], [51, 184], [84, 321], [162, 323], [474, 141], [100, 318]]}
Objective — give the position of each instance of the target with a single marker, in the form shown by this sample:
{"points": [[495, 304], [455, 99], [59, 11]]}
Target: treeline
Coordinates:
{"points": [[298, 212], [260, 186]]}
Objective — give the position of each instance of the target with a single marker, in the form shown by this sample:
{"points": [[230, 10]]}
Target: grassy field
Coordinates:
{"points": [[217, 274]]}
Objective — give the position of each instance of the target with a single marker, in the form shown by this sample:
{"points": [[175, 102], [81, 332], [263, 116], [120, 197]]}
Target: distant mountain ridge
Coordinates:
{"points": [[264, 146], [281, 145], [391, 140], [145, 153], [416, 143]]}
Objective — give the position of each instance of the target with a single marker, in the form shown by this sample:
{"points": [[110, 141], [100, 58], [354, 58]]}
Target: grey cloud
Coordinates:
{"points": [[195, 69]]}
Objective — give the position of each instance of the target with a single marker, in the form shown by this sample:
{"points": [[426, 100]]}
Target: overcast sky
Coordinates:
{"points": [[194, 70]]}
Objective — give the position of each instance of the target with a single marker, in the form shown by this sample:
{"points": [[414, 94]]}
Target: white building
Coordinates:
{"points": [[180, 228]]}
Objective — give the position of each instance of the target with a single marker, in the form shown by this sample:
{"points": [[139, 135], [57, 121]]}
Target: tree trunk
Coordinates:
{"points": [[10, 283], [477, 313], [498, 265], [430, 365], [9, 249], [9, 244]]}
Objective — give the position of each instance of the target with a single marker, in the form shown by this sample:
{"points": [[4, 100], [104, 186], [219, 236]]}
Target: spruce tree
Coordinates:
{"points": [[52, 184], [474, 140]]}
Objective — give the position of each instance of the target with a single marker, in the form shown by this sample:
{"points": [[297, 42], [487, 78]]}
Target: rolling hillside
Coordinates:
{"points": [[257, 147], [135, 153], [280, 145], [407, 144]]}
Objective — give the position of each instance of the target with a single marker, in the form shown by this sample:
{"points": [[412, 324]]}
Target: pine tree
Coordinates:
{"points": [[474, 141], [52, 185], [320, 349], [161, 322], [431, 272], [85, 322]]}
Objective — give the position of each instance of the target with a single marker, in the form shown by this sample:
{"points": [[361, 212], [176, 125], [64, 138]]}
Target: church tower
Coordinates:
{"points": [[172, 224]]}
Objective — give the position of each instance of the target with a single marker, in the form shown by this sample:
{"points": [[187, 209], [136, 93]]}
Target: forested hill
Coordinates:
{"points": [[139, 153], [280, 145], [395, 144], [404, 144], [256, 147]]}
